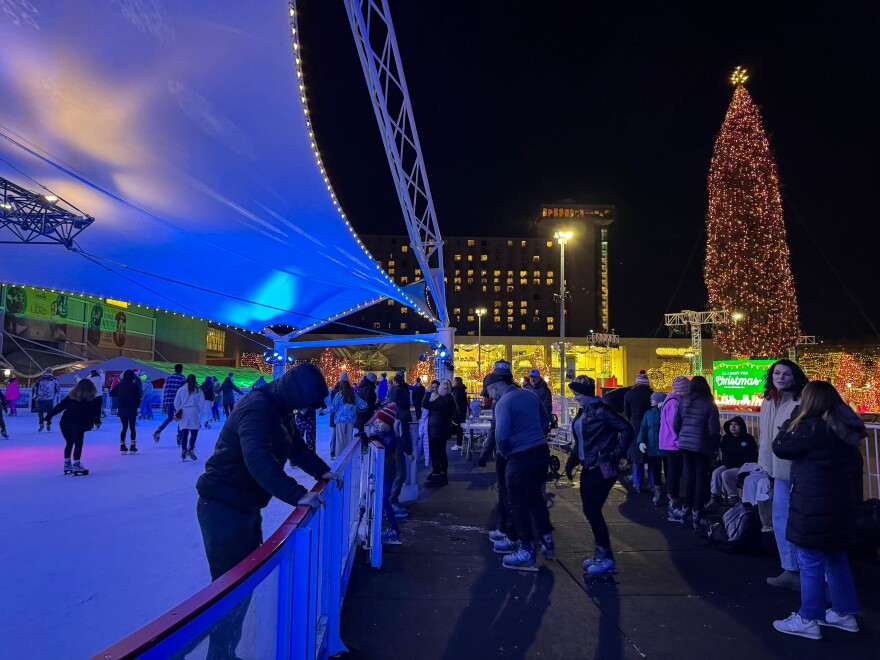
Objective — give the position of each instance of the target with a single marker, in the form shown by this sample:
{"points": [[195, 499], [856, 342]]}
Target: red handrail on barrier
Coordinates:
{"points": [[141, 640]]}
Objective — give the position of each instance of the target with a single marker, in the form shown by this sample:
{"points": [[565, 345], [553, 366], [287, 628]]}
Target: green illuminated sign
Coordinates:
{"points": [[739, 381]]}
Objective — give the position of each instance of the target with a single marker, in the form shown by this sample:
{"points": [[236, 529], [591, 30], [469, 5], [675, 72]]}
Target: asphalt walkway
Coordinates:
{"points": [[444, 593]]}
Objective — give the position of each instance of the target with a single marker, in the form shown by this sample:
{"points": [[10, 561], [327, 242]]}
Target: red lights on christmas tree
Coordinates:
{"points": [[747, 258]]}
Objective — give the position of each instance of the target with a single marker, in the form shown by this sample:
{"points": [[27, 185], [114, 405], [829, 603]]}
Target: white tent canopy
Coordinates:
{"points": [[180, 127]]}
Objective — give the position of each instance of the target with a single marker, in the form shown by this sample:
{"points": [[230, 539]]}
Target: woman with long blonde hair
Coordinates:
{"points": [[822, 442]]}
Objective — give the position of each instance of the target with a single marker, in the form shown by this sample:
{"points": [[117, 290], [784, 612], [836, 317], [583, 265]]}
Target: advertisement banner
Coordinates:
{"points": [[739, 382]]}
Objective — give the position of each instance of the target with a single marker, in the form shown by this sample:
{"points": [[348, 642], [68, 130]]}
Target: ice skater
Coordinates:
{"points": [[82, 409], [44, 391], [188, 405], [3, 405], [127, 393]]}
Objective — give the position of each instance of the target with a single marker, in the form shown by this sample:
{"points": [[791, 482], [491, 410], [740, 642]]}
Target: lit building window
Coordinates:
{"points": [[497, 303], [550, 244], [510, 303], [549, 319], [377, 326], [404, 248], [403, 326], [509, 243], [456, 280], [510, 319], [390, 264], [470, 242], [418, 272], [522, 243], [470, 272], [484, 257], [404, 279], [483, 272], [524, 280], [523, 303], [523, 327], [470, 280], [510, 273], [390, 302], [510, 280], [536, 273], [549, 280], [470, 318], [485, 288], [549, 273], [536, 281], [536, 259], [458, 257], [523, 312], [404, 310], [470, 257], [458, 287], [509, 289], [391, 271], [457, 311], [496, 289], [523, 273], [216, 340], [550, 327], [497, 273], [497, 319]]}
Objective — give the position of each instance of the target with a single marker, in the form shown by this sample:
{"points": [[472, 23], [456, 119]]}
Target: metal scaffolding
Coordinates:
{"points": [[695, 321], [37, 219]]}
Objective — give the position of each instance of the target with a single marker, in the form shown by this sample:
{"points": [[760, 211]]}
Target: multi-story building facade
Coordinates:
{"points": [[516, 279]]}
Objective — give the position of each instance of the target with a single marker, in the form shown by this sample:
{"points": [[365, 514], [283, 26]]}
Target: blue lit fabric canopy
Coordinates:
{"points": [[179, 126]]}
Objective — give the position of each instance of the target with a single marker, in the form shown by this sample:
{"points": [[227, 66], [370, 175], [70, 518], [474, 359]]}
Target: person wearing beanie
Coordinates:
{"points": [[521, 424], [366, 390], [459, 395], [345, 406], [503, 536], [380, 428], [601, 437], [246, 469], [669, 442], [538, 385], [398, 396], [649, 444], [635, 404]]}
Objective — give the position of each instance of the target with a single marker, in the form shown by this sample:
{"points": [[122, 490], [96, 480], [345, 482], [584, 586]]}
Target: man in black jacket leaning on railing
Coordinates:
{"points": [[247, 467]]}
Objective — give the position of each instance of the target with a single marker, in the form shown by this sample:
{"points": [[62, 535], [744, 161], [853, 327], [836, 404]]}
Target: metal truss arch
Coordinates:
{"points": [[376, 43]]}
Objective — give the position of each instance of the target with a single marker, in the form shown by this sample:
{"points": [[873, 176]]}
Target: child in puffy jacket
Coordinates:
{"points": [[380, 428], [649, 444], [738, 447]]}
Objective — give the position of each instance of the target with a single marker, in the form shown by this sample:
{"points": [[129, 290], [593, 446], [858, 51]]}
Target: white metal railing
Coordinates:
{"points": [[284, 600], [870, 453]]}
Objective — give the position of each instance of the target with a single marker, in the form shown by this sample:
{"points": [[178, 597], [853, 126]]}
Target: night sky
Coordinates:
{"points": [[521, 103]]}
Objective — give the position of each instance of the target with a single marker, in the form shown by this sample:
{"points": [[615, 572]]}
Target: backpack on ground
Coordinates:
{"points": [[739, 531]]}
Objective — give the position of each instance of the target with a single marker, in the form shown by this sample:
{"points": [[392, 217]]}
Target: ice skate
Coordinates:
{"points": [[5, 435], [183, 455], [68, 466], [48, 426], [191, 455], [123, 449], [133, 449], [78, 469], [39, 430]]}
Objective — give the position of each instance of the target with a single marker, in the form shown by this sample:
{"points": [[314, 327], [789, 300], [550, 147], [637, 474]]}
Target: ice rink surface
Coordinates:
{"points": [[87, 560]]}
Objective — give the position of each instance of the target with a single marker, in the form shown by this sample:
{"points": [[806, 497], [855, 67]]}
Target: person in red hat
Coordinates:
{"points": [[380, 428]]}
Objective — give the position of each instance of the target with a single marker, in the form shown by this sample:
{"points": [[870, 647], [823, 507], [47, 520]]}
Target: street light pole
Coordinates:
{"points": [[480, 312], [562, 237]]}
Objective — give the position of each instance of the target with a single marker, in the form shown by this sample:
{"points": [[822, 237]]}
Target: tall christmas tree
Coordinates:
{"points": [[747, 260]]}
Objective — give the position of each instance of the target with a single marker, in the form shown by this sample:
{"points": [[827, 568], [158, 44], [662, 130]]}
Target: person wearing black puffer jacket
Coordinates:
{"points": [[699, 434], [246, 470], [127, 393], [366, 390], [823, 443], [636, 403]]}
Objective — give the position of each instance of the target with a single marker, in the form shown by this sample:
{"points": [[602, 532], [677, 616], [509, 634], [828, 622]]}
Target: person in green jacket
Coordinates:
{"points": [[649, 443]]}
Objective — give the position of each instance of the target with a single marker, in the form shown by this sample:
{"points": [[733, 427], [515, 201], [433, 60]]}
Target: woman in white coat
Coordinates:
{"points": [[782, 396], [188, 405]]}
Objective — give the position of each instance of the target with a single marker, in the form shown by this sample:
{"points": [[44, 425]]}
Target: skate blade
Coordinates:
{"points": [[525, 569]]}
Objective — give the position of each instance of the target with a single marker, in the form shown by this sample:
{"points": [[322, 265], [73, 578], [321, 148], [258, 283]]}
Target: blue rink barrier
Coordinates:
{"points": [[284, 600]]}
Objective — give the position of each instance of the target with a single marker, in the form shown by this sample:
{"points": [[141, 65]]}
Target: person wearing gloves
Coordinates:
{"points": [[521, 424], [649, 444], [823, 445], [601, 438], [246, 470], [782, 393]]}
